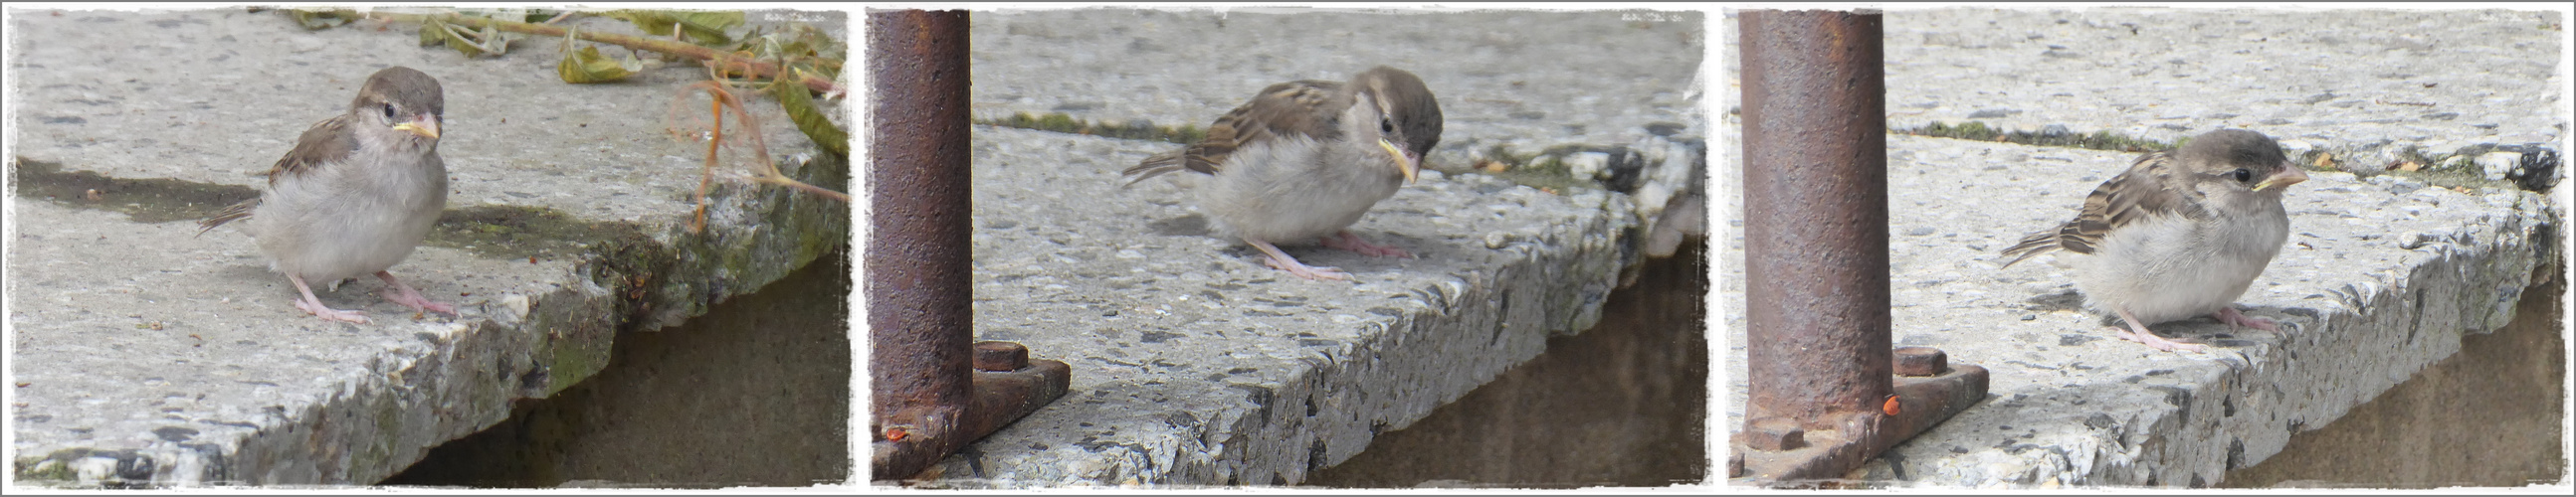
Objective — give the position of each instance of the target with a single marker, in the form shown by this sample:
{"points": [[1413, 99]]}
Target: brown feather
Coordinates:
{"points": [[235, 212], [1297, 108], [2154, 185], [327, 141]]}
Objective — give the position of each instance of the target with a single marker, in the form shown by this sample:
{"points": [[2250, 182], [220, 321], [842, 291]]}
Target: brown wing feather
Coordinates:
{"points": [[1287, 109], [2152, 186], [231, 213], [326, 141]]}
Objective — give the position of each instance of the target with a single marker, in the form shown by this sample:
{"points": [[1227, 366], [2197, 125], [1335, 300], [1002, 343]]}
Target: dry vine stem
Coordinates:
{"points": [[752, 66], [720, 99]]}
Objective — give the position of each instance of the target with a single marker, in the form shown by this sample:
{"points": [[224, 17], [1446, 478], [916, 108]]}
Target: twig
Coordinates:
{"points": [[746, 64], [722, 99]]}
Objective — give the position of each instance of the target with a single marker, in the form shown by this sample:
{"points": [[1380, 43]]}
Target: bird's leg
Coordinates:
{"points": [[408, 298], [2137, 332], [1283, 262], [1346, 240], [314, 305], [2227, 314]]}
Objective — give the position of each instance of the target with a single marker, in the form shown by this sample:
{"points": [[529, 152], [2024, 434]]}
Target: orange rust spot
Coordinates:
{"points": [[1890, 407]]}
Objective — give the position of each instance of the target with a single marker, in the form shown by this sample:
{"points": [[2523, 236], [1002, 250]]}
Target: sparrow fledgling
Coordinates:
{"points": [[1304, 159], [357, 193], [2180, 234]]}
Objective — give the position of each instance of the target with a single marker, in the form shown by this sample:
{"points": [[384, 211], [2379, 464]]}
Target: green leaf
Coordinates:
{"points": [[456, 37], [588, 66], [704, 28], [809, 118], [432, 32], [465, 40], [322, 19]]}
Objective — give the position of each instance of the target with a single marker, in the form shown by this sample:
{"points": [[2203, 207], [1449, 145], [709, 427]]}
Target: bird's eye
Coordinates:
{"points": [[1385, 125], [2241, 174], [389, 112]]}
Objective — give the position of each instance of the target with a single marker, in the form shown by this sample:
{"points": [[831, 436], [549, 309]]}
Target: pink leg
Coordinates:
{"points": [[1345, 240], [1282, 261], [2227, 314], [408, 298], [314, 305], [2137, 332]]}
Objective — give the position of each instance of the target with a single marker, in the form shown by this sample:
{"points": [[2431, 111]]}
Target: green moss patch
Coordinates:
{"points": [[1134, 130], [2099, 140]]}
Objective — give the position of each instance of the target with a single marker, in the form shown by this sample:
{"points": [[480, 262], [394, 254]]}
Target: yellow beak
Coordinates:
{"points": [[2289, 175], [426, 127], [1411, 166]]}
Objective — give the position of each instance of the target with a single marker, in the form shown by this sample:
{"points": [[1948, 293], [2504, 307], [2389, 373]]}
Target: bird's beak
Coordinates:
{"points": [[425, 126], [1411, 165], [2289, 175]]}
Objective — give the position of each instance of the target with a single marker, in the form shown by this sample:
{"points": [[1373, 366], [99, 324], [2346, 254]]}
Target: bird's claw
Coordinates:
{"points": [[2228, 314], [329, 314]]}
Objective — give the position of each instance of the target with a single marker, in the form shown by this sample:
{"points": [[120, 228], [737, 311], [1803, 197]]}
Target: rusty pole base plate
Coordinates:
{"points": [[1827, 455], [1000, 398]]}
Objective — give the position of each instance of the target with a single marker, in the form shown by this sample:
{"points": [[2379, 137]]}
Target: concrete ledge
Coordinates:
{"points": [[2383, 275], [1196, 365], [147, 357], [2377, 285]]}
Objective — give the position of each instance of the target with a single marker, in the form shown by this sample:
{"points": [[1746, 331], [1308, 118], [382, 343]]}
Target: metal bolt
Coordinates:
{"points": [[1000, 356], [1921, 361], [1775, 434], [1735, 465]]}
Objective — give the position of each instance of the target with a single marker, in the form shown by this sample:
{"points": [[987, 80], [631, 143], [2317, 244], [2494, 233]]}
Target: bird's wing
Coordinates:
{"points": [[326, 141], [1295, 108], [2153, 186]]}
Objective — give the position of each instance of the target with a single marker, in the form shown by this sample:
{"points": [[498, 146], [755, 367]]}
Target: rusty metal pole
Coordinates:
{"points": [[1816, 252], [1815, 212], [935, 390]]}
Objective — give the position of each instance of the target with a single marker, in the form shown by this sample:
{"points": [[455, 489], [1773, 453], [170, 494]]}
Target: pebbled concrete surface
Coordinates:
{"points": [[2384, 274], [145, 356], [1194, 364], [2371, 86]]}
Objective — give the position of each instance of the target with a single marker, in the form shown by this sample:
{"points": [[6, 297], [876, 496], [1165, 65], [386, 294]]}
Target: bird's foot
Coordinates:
{"points": [[1281, 261], [2228, 314], [314, 305], [2151, 340], [2137, 332], [329, 314], [1346, 240], [403, 294], [1309, 272]]}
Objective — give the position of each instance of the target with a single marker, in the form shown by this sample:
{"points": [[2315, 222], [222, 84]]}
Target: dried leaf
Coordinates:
{"points": [[322, 19], [705, 28], [465, 40], [809, 118], [432, 32], [588, 66]]}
